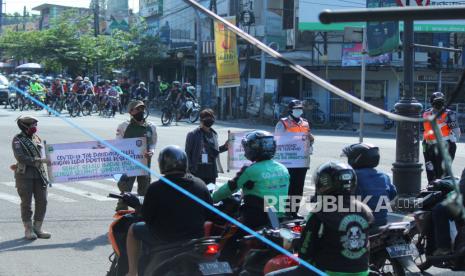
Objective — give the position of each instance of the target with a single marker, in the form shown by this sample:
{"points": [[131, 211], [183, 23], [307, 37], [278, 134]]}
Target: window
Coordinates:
{"points": [[374, 93]]}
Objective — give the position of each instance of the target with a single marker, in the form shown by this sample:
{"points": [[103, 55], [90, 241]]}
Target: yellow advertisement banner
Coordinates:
{"points": [[227, 64]]}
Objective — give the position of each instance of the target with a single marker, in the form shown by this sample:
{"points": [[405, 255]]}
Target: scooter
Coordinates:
{"points": [[193, 257], [435, 193]]}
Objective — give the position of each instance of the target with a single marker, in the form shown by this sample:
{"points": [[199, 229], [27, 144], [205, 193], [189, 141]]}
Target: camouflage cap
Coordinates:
{"points": [[135, 104], [28, 120]]}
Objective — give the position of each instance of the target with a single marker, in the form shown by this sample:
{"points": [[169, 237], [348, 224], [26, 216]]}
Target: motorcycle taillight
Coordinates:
{"points": [[212, 249], [297, 228]]}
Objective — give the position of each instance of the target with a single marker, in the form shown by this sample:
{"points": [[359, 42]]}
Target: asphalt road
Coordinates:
{"points": [[79, 214]]}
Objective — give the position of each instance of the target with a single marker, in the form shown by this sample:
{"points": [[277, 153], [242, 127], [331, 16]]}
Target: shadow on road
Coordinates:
{"points": [[86, 244]]}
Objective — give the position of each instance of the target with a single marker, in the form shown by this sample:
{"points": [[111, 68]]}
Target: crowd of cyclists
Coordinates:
{"points": [[81, 97]]}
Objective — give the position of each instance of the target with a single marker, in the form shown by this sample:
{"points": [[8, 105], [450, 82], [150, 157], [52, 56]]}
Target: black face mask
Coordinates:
{"points": [[139, 116], [438, 105], [208, 122]]}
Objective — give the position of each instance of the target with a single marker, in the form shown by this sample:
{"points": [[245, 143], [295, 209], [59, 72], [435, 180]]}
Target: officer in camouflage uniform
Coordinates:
{"points": [[31, 178], [136, 127]]}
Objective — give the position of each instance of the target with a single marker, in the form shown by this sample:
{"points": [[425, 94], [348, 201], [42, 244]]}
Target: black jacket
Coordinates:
{"points": [[194, 142]]}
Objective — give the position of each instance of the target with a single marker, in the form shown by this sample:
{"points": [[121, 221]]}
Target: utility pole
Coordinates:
{"points": [[1, 16], [263, 62], [198, 58], [407, 168], [362, 84], [24, 18], [96, 33]]}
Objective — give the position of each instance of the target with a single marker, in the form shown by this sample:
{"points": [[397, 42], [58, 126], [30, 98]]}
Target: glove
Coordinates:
{"points": [[131, 200]]}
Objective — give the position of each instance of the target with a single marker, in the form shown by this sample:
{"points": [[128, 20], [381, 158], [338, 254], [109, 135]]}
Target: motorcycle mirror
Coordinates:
{"points": [[274, 221]]}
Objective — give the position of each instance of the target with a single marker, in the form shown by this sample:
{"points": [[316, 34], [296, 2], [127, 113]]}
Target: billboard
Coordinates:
{"points": [[309, 11], [352, 56], [149, 8], [382, 37], [117, 16], [227, 60]]}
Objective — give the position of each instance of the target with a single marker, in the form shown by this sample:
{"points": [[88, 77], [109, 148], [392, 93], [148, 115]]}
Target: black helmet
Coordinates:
{"points": [[437, 100], [294, 104], [362, 155], [335, 178], [259, 145], [172, 159]]}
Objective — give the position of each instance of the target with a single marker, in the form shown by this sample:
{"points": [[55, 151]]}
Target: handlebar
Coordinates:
{"points": [[111, 195]]}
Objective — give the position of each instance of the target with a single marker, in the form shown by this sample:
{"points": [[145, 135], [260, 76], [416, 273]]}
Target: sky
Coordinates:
{"points": [[13, 6]]}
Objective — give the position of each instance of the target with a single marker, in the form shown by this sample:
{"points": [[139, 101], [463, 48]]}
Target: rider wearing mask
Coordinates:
{"points": [[265, 181], [202, 149], [335, 241], [136, 127], [141, 92], [31, 178], [364, 158], [294, 123], [183, 220]]}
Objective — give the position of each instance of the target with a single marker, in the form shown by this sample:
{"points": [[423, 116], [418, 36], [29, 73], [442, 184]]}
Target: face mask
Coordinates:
{"points": [[297, 113], [139, 116], [438, 105], [208, 122], [31, 130]]}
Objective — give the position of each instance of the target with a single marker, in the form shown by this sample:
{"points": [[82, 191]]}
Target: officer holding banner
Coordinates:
{"points": [[31, 178], [294, 123], [136, 127]]}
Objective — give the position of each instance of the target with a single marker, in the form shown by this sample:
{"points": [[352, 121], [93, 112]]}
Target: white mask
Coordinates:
{"points": [[297, 113]]}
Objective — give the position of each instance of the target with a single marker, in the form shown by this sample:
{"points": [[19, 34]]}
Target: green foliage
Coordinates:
{"points": [[69, 45]]}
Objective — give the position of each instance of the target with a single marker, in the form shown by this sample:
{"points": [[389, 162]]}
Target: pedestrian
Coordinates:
{"points": [[31, 178], [450, 133], [202, 149], [294, 123], [137, 126]]}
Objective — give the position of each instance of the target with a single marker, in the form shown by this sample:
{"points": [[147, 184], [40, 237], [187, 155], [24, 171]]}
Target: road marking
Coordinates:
{"points": [[49, 195], [80, 192], [100, 186], [10, 198]]}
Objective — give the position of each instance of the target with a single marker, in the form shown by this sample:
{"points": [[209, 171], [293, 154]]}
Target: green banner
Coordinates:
{"points": [[382, 37]]}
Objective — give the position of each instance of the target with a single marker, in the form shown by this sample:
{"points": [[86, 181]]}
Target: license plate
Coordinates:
{"points": [[214, 268], [401, 250]]}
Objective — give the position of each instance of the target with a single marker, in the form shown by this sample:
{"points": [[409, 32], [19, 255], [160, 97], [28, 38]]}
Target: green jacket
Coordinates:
{"points": [[270, 179]]}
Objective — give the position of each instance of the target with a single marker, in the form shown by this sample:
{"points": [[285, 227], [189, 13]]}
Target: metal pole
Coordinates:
{"points": [[1, 16], [440, 80], [263, 62], [407, 169], [198, 59], [362, 84]]}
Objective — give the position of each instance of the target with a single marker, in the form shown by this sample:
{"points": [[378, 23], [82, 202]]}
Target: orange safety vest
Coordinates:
{"points": [[428, 133], [292, 126]]}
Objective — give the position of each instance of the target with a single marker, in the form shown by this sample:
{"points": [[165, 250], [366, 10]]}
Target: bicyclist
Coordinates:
{"points": [[57, 89], [88, 86], [79, 88], [111, 95], [36, 87]]}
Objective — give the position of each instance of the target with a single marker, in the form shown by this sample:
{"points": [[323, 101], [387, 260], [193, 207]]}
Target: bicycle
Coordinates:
{"points": [[109, 107], [168, 113], [73, 106], [89, 105]]}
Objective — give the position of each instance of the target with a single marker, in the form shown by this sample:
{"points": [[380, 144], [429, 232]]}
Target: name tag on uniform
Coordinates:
{"points": [[204, 158]]}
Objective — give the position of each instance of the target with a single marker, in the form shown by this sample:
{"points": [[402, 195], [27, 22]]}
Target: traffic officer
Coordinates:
{"points": [[31, 178], [296, 124], [450, 133], [137, 126]]}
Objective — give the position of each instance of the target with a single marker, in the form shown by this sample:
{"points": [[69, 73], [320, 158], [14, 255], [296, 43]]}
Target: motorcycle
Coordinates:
{"points": [[424, 238], [193, 257], [391, 250], [13, 101]]}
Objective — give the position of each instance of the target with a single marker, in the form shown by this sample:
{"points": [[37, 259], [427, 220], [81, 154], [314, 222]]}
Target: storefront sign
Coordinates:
{"points": [[227, 63], [293, 150], [92, 160], [352, 56]]}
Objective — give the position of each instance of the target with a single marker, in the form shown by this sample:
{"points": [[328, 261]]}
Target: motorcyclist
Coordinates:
{"points": [[442, 215], [36, 88], [265, 181], [141, 92], [364, 158], [174, 94], [169, 216], [335, 241]]}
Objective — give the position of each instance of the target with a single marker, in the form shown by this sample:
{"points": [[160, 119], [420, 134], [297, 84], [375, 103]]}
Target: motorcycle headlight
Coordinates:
{"points": [[189, 104]]}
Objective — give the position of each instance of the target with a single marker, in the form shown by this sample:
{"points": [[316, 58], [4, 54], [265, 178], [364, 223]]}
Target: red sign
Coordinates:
{"points": [[413, 3]]}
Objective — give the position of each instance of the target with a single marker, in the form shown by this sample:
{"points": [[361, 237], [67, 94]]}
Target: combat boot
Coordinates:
{"points": [[38, 230], [28, 231]]}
